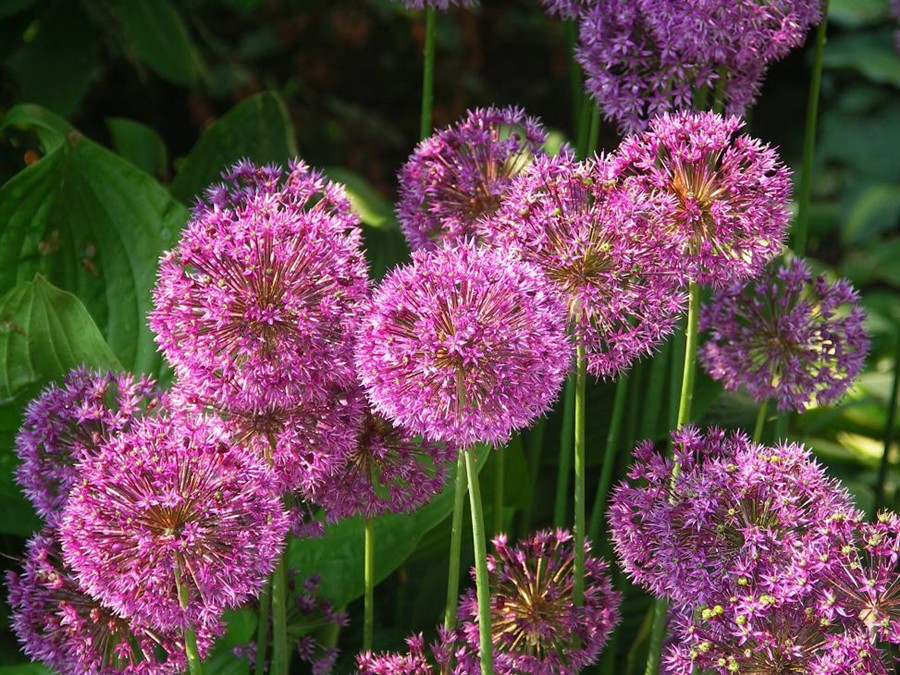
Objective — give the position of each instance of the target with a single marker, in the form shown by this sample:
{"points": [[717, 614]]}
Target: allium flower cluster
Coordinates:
{"points": [[73, 633], [442, 5], [645, 57], [461, 173], [170, 506], [595, 240], [417, 660], [723, 199], [787, 336], [67, 423], [255, 307], [535, 625], [463, 345]]}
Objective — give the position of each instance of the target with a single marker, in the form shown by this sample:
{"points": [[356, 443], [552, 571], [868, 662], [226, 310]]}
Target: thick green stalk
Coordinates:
{"points": [[428, 73], [280, 655], [499, 478], [459, 497], [609, 460], [481, 572], [190, 638], [369, 574], [888, 429], [580, 410], [565, 454], [584, 127], [262, 630], [760, 422], [594, 133], [809, 138]]}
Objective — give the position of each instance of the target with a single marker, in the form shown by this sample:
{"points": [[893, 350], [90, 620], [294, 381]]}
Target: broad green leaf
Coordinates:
{"points": [[139, 144], [160, 38], [51, 129], [874, 212], [241, 629], [855, 13], [25, 669], [95, 225], [373, 209], [10, 7], [337, 556], [385, 248], [870, 53], [258, 128]]}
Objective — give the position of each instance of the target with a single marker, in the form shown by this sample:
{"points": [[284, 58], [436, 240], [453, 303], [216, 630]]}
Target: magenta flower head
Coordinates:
{"points": [[172, 504], [461, 173], [387, 471], [593, 239], [463, 345], [419, 659], [255, 307], [72, 633], [535, 625], [786, 336], [722, 199], [67, 423], [737, 515]]}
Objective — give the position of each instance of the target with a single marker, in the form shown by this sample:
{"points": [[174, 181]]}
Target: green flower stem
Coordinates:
{"points": [[262, 629], [280, 656], [565, 454], [428, 73], [809, 138], [481, 572], [584, 127], [369, 574], [658, 632], [609, 460], [888, 429], [760, 422], [190, 638], [459, 504], [580, 409], [499, 478], [594, 133]]}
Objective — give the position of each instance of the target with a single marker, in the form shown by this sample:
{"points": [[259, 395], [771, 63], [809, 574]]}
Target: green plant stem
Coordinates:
{"points": [[428, 73], [369, 574], [580, 410], [280, 655], [565, 454], [481, 572], [719, 95], [584, 127], [594, 133], [459, 497], [801, 228], [190, 637], [499, 479], [658, 632], [760, 422], [262, 629], [609, 460], [890, 422]]}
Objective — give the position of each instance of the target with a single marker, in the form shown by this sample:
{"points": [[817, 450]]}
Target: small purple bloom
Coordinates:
{"points": [[461, 173], [416, 661], [787, 336], [464, 345], [172, 502], [441, 5]]}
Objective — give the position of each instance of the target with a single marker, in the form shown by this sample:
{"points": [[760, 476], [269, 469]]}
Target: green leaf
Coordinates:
{"points": [[874, 212], [94, 225], [855, 13], [11, 7], [871, 53], [51, 129], [337, 556], [139, 144], [160, 38], [258, 128], [373, 209], [25, 669]]}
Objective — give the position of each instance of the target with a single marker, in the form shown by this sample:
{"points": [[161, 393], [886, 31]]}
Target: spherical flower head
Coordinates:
{"points": [[67, 423], [417, 660], [387, 471], [734, 516], [722, 199], [463, 345], [787, 336], [535, 625], [73, 633], [172, 503], [255, 306], [461, 173], [591, 237]]}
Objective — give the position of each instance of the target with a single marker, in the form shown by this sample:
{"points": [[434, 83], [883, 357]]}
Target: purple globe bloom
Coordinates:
{"points": [[722, 199], [594, 240], [67, 423], [171, 502], [535, 625], [736, 516], [463, 345], [786, 336], [461, 173], [416, 661], [256, 305], [73, 633]]}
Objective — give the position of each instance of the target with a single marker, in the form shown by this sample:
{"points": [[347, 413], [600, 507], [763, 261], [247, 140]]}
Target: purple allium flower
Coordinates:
{"points": [[592, 238], [67, 423], [463, 345], [723, 199], [387, 471], [416, 661], [535, 626], [255, 307], [173, 498], [72, 633], [442, 5], [565, 9], [736, 515], [786, 336], [461, 173]]}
